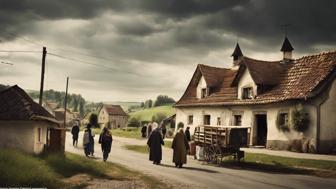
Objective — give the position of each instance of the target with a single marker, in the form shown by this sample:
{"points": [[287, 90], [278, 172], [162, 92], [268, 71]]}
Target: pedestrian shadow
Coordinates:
{"points": [[267, 168], [190, 168], [94, 157]]}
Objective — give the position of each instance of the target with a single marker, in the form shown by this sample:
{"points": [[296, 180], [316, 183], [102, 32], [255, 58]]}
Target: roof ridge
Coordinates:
{"points": [[214, 67], [268, 61], [317, 54]]}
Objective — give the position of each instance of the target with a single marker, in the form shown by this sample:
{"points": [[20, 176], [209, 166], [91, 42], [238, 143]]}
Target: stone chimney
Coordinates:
{"points": [[287, 50], [237, 55]]}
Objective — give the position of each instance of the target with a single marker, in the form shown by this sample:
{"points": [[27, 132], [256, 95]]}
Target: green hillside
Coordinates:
{"points": [[147, 114]]}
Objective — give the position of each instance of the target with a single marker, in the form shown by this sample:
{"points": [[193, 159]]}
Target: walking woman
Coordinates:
{"points": [[181, 147], [87, 137], [105, 139], [154, 142]]}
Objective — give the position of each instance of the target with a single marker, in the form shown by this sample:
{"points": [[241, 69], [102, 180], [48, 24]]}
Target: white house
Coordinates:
{"points": [[26, 125], [290, 104], [112, 116]]}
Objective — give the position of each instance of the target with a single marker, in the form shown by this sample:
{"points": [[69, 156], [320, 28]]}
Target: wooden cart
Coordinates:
{"points": [[221, 141]]}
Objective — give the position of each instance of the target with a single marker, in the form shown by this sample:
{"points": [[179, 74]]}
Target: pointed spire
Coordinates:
{"points": [[237, 52], [286, 46]]}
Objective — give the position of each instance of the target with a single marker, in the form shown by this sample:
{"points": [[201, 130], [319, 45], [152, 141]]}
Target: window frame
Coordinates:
{"points": [[235, 120], [192, 119], [203, 92], [247, 95], [283, 119], [219, 121], [39, 134], [204, 120]]}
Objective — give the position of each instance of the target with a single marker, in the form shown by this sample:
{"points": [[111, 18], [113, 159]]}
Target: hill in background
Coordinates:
{"points": [[147, 114]]}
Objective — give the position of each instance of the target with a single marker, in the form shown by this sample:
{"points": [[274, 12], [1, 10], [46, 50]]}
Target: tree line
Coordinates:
{"points": [[75, 102], [160, 101]]}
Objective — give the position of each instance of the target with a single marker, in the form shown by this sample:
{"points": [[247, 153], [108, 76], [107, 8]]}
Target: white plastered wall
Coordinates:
{"points": [[23, 135], [200, 86], [246, 81]]}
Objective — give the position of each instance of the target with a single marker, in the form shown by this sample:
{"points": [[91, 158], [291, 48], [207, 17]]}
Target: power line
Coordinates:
{"points": [[20, 37], [56, 49], [19, 51], [93, 64], [7, 63]]}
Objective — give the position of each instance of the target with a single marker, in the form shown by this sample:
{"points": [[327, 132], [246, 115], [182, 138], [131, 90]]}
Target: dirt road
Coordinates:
{"points": [[196, 175]]}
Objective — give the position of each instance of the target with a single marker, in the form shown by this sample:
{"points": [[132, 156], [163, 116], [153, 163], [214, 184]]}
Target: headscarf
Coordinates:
{"points": [[154, 126]]}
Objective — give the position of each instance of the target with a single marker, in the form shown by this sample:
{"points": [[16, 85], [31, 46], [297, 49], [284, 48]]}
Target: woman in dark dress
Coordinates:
{"points": [[155, 149], [105, 139]]}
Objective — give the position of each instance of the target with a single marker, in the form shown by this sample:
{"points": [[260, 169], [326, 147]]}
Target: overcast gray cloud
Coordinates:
{"points": [[148, 47]]}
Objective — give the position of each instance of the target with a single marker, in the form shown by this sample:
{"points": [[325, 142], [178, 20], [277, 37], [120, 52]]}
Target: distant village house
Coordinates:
{"points": [[112, 116], [58, 112], [26, 125], [289, 104]]}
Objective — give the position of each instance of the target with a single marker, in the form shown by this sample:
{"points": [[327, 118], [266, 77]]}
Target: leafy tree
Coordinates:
{"points": [[81, 108], [162, 100], [142, 105], [148, 103]]}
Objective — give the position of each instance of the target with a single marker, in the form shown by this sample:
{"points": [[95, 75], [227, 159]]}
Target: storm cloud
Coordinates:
{"points": [[136, 49]]}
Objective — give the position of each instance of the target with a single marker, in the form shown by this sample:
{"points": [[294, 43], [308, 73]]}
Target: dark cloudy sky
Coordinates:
{"points": [[131, 50]]}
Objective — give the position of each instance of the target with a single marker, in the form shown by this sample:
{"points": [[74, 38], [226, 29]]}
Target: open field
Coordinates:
{"points": [[18, 169], [147, 114]]}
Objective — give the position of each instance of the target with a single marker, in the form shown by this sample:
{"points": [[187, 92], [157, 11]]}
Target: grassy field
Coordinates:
{"points": [[18, 169], [147, 114]]}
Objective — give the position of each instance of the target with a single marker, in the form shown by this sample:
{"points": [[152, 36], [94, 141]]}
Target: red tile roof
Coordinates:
{"points": [[15, 104], [115, 110], [289, 81]]}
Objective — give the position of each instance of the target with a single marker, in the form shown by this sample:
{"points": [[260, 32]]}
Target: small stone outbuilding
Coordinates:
{"points": [[26, 125]]}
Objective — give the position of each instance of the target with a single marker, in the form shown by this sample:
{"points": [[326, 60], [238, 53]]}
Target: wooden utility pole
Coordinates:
{"points": [[44, 53], [65, 101]]}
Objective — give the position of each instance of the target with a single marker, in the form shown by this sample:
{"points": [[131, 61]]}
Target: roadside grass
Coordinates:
{"points": [[147, 114], [292, 162], [278, 164], [18, 169], [131, 132], [268, 163]]}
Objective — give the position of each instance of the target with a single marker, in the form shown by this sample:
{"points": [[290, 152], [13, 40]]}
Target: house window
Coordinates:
{"points": [[219, 121], [203, 92], [206, 119], [237, 120], [283, 119], [190, 119], [247, 93], [39, 134]]}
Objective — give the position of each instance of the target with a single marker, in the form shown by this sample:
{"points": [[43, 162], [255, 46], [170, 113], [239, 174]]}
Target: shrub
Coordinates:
{"points": [[158, 117], [133, 122], [300, 119], [180, 125]]}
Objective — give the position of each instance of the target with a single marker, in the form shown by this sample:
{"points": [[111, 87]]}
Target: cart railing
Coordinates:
{"points": [[223, 136]]}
